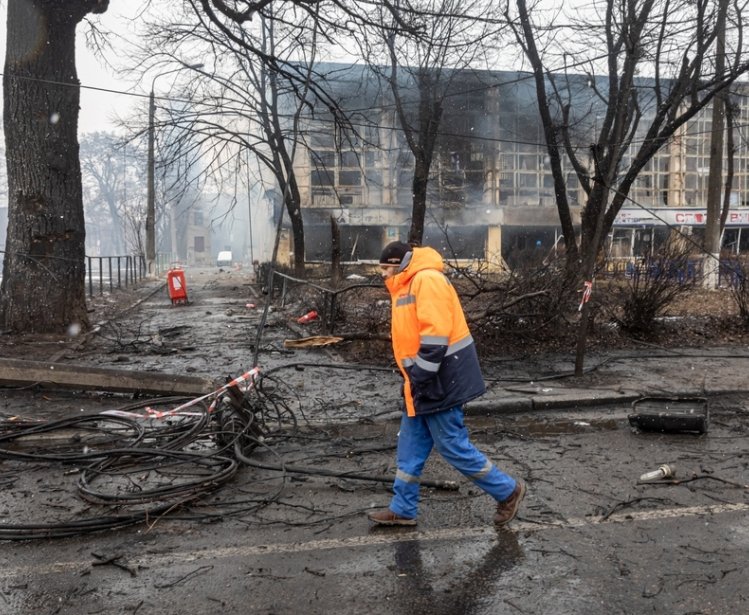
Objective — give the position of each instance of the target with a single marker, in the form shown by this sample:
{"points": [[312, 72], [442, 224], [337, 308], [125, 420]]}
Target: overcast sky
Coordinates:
{"points": [[97, 107]]}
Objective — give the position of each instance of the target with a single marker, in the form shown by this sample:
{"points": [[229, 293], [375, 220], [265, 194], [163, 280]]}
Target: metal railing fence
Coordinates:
{"points": [[109, 273]]}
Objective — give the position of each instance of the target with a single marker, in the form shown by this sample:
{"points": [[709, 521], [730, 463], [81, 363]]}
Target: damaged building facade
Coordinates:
{"points": [[491, 192]]}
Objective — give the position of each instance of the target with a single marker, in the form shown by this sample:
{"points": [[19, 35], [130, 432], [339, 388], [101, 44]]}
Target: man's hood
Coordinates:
{"points": [[421, 259]]}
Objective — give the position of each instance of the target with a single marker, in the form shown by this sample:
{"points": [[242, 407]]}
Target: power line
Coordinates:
{"points": [[75, 85], [538, 144], [383, 107]]}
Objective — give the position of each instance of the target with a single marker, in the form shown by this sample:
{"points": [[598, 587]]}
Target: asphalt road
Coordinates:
{"points": [[589, 539]]}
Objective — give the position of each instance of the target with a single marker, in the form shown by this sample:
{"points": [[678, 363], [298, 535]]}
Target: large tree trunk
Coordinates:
{"points": [[711, 242], [43, 288], [422, 144]]}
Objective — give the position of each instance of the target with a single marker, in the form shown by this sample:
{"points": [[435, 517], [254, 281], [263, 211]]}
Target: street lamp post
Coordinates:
{"points": [[151, 197]]}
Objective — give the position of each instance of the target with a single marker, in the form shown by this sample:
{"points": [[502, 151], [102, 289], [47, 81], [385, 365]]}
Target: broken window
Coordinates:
{"points": [[349, 159], [322, 158], [322, 178], [350, 178]]}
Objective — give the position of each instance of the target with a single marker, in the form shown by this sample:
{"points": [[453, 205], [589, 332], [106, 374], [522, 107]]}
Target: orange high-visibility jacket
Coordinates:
{"points": [[431, 341]]}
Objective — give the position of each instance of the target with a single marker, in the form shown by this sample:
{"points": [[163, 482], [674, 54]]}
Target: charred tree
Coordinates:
{"points": [[418, 49], [336, 273], [421, 140], [43, 287], [282, 157]]}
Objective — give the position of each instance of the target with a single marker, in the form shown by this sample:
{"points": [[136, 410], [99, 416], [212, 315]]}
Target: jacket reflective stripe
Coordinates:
{"points": [[459, 345], [483, 471], [434, 340], [405, 300], [407, 478], [409, 362], [427, 366]]}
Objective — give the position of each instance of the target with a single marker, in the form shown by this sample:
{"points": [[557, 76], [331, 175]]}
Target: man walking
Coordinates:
{"points": [[437, 358]]}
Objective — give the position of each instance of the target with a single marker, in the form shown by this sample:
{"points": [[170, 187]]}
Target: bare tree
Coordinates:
{"points": [[112, 172], [249, 101], [180, 178], [596, 67], [43, 287], [418, 48]]}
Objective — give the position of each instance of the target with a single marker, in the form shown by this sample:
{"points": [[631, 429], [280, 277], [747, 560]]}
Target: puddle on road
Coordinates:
{"points": [[539, 428], [534, 426]]}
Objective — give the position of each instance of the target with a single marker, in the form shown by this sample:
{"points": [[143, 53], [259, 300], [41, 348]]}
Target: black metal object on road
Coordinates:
{"points": [[670, 414]]}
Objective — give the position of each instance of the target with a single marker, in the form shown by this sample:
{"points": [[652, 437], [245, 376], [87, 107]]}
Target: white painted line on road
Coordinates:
{"points": [[382, 536], [671, 513]]}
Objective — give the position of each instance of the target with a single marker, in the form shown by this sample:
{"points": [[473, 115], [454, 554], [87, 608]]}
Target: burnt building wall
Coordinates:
{"points": [[491, 186]]}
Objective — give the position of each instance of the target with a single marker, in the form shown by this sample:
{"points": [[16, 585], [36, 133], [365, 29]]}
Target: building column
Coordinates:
{"points": [[493, 251]]}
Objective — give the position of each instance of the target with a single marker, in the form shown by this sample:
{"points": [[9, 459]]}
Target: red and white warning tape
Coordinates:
{"points": [[587, 291], [248, 378]]}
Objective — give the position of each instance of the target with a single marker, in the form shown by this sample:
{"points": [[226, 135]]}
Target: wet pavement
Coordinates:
{"points": [[589, 538]]}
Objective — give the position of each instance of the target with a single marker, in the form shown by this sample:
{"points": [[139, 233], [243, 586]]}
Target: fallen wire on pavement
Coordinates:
{"points": [[147, 460]]}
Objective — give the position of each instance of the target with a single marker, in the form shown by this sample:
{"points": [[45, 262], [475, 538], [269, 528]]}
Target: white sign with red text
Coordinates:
{"points": [[675, 216]]}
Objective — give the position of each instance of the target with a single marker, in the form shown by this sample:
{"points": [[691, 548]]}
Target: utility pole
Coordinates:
{"points": [[151, 202], [151, 198], [249, 208]]}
